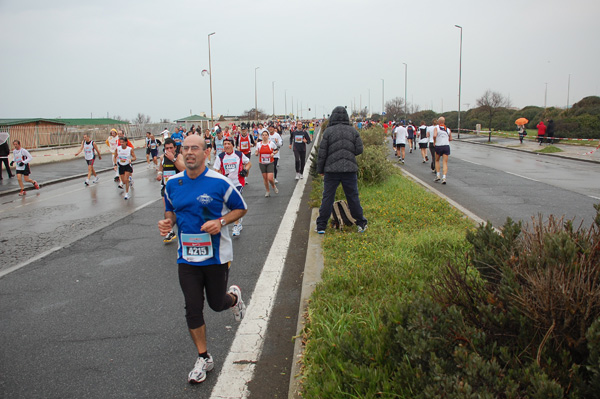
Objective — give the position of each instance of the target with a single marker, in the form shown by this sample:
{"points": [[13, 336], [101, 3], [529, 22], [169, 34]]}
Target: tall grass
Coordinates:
{"points": [[411, 234]]}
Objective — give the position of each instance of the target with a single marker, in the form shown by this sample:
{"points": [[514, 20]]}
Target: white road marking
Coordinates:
{"points": [[48, 252], [524, 177], [474, 163], [591, 196], [238, 367]]}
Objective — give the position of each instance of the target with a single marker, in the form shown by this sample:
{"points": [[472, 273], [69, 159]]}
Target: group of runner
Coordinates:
{"points": [[436, 137]]}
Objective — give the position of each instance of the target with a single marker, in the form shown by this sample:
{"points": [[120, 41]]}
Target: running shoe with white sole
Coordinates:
{"points": [[235, 231], [297, 176], [276, 190], [444, 180], [170, 237], [121, 186], [239, 309], [362, 229], [86, 182], [437, 178], [22, 193], [36, 185], [96, 180], [267, 194], [126, 197], [276, 181], [202, 366]]}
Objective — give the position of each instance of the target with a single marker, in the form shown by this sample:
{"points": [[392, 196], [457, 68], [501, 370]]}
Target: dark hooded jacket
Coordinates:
{"points": [[340, 145]]}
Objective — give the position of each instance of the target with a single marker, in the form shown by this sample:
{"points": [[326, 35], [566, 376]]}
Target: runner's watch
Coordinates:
{"points": [[223, 222]]}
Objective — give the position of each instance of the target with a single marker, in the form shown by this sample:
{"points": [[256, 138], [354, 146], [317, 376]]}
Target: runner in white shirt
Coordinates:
{"points": [[423, 137], [442, 137], [22, 157], [235, 165], [89, 149], [123, 157], [276, 139], [401, 136], [430, 130], [112, 143]]}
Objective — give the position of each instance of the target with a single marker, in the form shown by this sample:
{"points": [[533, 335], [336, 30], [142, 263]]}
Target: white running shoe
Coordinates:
{"points": [[276, 190], [443, 180], [235, 231], [239, 309], [86, 182], [96, 180], [276, 181], [267, 194], [198, 373], [121, 186], [297, 176], [437, 178], [130, 182], [126, 197], [301, 176]]}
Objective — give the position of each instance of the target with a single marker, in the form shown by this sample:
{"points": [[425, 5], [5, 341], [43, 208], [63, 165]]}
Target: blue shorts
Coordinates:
{"points": [[442, 150]]}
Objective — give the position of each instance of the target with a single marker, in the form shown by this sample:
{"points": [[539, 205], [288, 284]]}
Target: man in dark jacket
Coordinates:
{"points": [[339, 147], [550, 132], [4, 151]]}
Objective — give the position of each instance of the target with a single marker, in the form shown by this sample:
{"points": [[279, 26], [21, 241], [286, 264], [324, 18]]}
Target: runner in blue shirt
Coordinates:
{"points": [[202, 203]]}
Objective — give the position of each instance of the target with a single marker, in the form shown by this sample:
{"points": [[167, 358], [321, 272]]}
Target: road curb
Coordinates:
{"points": [[556, 154], [313, 267], [62, 179]]}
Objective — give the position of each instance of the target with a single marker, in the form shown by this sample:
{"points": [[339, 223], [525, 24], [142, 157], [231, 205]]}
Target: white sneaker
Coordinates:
{"points": [[276, 190], [267, 194], [198, 373], [276, 181], [239, 309], [121, 186], [235, 231], [86, 182], [297, 176], [126, 197], [130, 182], [96, 180], [301, 176]]}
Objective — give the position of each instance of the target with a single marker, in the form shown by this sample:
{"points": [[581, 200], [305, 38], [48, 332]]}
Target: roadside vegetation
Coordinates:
{"points": [[425, 304]]}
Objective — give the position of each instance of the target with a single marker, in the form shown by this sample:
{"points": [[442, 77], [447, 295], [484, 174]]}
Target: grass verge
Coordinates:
{"points": [[412, 234], [549, 150]]}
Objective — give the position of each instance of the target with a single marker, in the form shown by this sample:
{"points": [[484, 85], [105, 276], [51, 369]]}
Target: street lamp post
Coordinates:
{"points": [[212, 120], [285, 102], [568, 91], [273, 85], [405, 81], [382, 96], [459, 77], [255, 97]]}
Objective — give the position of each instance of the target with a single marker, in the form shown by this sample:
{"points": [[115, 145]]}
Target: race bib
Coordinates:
{"points": [[298, 139], [196, 247], [230, 167], [124, 161], [153, 146], [168, 173], [265, 158], [244, 145]]}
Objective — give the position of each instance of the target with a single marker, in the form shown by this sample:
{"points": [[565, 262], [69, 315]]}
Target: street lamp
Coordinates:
{"points": [[273, 84], [459, 77], [382, 95], [255, 97], [405, 76], [212, 120], [285, 102]]}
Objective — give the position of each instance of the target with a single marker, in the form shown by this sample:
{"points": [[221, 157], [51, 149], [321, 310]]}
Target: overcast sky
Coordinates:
{"points": [[76, 59]]}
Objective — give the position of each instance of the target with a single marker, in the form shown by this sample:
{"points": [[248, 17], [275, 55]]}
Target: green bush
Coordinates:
{"points": [[534, 306]]}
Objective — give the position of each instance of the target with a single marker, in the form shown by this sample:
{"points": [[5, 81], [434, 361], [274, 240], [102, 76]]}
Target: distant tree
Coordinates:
{"points": [[120, 118], [164, 120], [141, 119], [394, 109], [490, 103], [251, 114]]}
